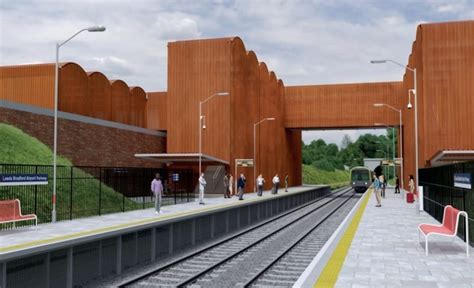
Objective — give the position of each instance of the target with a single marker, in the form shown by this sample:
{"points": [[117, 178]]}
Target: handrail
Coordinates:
{"points": [[439, 204]]}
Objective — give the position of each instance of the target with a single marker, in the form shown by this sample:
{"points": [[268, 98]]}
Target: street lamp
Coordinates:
{"points": [[393, 142], [254, 148], [56, 84], [401, 132], [202, 125], [409, 106]]}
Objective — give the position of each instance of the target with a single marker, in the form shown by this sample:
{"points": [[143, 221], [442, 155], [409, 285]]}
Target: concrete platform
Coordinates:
{"points": [[385, 251], [27, 237], [73, 253]]}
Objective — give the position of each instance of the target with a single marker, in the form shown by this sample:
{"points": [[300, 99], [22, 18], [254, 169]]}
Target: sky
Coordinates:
{"points": [[303, 41]]}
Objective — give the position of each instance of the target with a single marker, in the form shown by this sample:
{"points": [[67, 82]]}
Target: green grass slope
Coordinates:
{"points": [[79, 197], [335, 179]]}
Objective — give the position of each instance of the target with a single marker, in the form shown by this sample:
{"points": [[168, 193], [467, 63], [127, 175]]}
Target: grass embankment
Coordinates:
{"points": [[81, 194], [335, 179]]}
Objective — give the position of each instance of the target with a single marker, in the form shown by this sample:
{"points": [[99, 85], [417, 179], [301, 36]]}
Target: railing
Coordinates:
{"points": [[439, 191], [92, 191]]}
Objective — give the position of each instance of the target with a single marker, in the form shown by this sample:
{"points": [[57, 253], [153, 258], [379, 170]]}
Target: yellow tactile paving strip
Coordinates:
{"points": [[128, 225], [330, 273]]}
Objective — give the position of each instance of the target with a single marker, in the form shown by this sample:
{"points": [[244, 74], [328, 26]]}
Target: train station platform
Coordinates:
{"points": [[69, 253], [381, 248]]}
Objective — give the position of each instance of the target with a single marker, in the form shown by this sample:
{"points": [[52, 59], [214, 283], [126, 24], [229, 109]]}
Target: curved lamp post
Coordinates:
{"points": [[202, 125], [401, 133], [393, 143], [56, 84], [409, 106]]}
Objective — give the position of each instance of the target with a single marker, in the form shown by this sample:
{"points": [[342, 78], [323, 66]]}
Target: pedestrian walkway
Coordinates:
{"points": [[385, 251], [27, 237]]}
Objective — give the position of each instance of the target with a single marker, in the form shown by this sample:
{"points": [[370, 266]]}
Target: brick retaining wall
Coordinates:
{"points": [[88, 144]]}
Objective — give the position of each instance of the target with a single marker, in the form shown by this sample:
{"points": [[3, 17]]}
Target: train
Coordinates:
{"points": [[361, 179]]}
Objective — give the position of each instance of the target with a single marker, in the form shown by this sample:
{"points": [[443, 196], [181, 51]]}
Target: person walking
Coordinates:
{"points": [[231, 185], [226, 186], [157, 191], [382, 185], [260, 182], [241, 186], [286, 183], [202, 186], [377, 185], [276, 184], [397, 185]]}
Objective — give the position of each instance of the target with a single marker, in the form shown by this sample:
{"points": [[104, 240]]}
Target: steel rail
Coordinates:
{"points": [[298, 241], [235, 254], [220, 242]]}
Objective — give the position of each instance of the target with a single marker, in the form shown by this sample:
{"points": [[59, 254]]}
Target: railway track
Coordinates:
{"points": [[255, 255]]}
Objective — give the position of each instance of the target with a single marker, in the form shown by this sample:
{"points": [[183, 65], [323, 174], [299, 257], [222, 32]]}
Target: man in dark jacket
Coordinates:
{"points": [[241, 186]]}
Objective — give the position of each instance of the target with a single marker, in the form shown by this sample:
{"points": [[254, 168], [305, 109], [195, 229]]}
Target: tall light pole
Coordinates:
{"points": [[415, 92], [254, 149], [202, 126], [56, 84], [393, 143], [401, 133]]}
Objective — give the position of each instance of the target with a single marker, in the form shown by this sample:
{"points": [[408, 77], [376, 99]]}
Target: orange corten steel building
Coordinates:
{"points": [[442, 53]]}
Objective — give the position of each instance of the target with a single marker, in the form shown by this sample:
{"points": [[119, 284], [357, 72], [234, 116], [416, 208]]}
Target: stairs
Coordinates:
{"points": [[214, 176]]}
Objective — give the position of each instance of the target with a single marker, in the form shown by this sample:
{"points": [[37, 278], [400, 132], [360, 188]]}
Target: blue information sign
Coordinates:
{"points": [[23, 179], [175, 177], [463, 180]]}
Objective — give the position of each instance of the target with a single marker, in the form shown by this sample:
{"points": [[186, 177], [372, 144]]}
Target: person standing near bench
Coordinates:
{"points": [[157, 190]]}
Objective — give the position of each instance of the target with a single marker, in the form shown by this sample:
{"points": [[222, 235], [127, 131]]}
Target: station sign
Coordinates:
{"points": [[244, 162], [23, 179], [175, 177], [463, 180], [397, 162]]}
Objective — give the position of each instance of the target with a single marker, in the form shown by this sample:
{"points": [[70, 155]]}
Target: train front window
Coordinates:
{"points": [[360, 176]]}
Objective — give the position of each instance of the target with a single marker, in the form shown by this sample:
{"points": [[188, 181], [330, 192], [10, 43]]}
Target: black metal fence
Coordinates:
{"points": [[439, 191], [91, 191]]}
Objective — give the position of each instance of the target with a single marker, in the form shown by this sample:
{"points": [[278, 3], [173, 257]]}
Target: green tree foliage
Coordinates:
{"points": [[329, 157]]}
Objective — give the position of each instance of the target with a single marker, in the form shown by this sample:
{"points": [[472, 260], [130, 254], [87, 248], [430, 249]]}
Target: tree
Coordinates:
{"points": [[346, 141]]}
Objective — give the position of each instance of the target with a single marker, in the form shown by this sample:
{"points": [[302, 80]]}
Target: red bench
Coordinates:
{"points": [[449, 227], [10, 212]]}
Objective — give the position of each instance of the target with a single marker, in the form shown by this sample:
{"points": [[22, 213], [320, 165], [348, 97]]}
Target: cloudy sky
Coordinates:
{"points": [[304, 42]]}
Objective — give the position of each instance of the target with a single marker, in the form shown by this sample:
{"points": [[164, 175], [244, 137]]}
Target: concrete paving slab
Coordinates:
{"points": [[387, 242]]}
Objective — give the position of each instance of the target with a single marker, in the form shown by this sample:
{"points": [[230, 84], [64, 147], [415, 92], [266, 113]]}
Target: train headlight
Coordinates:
{"points": [[353, 183], [365, 183]]}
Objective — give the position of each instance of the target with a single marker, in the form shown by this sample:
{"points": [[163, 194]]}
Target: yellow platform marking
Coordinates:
{"points": [[130, 224], [332, 269]]}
